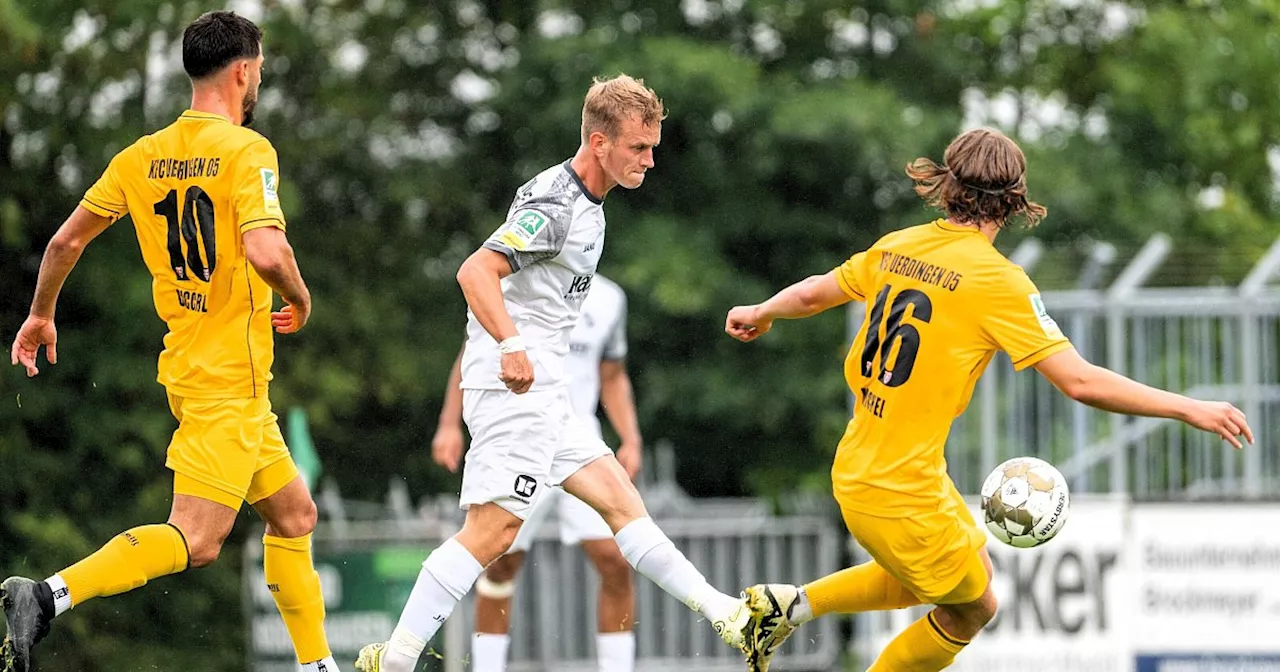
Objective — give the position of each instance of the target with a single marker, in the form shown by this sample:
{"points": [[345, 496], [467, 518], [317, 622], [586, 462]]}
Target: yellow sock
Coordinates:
{"points": [[295, 585], [126, 562], [866, 587], [922, 647]]}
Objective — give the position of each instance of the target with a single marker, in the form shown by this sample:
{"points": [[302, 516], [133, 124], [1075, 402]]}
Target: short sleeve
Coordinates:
{"points": [[854, 277], [616, 347], [1018, 323], [106, 197], [529, 235], [257, 184]]}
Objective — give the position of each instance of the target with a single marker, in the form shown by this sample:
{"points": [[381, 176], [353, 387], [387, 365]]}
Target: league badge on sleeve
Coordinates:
{"points": [[1047, 323], [270, 193], [522, 228]]}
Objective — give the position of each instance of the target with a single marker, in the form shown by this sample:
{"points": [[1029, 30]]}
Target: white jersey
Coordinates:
{"points": [[601, 334], [553, 237]]}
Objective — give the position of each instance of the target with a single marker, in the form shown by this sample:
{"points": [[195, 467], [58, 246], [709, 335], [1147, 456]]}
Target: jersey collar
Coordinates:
{"points": [[204, 116], [943, 224]]}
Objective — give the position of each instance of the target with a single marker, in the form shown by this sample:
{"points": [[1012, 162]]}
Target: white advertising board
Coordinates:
{"points": [[1207, 589]]}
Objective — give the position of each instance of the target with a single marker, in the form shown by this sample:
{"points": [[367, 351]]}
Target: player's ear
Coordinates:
{"points": [[599, 142]]}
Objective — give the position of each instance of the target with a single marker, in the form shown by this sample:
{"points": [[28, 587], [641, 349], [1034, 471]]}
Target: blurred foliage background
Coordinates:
{"points": [[404, 127]]}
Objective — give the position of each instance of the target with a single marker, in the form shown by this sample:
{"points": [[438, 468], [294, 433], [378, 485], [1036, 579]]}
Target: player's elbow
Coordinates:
{"points": [[64, 243], [811, 296], [1081, 384]]}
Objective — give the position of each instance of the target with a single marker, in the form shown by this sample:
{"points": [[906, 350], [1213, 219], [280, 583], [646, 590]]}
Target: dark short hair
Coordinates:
{"points": [[216, 39]]}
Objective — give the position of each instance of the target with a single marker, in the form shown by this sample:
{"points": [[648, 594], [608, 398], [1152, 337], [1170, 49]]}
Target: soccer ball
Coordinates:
{"points": [[1025, 502]]}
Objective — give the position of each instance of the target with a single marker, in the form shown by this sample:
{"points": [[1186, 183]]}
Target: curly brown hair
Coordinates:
{"points": [[983, 179]]}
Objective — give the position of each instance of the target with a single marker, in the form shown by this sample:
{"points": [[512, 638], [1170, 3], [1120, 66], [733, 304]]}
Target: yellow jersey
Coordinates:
{"points": [[192, 189], [941, 300]]}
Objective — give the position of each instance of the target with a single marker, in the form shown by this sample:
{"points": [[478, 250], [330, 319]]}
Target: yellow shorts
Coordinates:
{"points": [[228, 450], [935, 554]]}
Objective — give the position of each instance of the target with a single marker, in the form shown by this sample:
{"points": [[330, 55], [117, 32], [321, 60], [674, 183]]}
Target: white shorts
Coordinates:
{"points": [[521, 443]]}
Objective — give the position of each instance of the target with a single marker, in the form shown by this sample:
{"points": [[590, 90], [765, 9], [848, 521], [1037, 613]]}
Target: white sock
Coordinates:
{"points": [[61, 595], [652, 554], [326, 665], [489, 652], [615, 651], [446, 576], [803, 611]]}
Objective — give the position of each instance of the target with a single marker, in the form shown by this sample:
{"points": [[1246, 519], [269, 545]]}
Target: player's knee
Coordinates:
{"points": [[299, 522], [504, 569], [202, 551], [982, 612]]}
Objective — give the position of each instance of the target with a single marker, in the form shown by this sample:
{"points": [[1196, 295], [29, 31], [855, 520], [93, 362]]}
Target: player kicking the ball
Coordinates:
{"points": [[525, 289], [202, 194], [597, 377], [942, 301]]}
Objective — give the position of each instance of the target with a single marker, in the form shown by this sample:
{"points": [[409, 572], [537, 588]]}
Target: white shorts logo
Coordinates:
{"points": [[525, 486]]}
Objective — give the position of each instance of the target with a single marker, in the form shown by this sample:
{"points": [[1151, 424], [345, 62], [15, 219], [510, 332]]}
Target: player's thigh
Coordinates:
{"points": [[277, 490], [544, 503], [214, 451], [513, 443], [579, 522], [937, 555]]}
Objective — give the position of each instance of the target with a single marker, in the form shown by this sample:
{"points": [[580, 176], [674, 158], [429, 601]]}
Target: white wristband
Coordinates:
{"points": [[510, 345]]}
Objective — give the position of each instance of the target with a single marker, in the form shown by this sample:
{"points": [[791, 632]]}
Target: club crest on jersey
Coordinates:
{"points": [[1047, 322], [522, 228]]}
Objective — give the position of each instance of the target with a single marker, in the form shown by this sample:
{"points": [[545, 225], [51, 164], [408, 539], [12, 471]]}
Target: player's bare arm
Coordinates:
{"points": [[270, 254], [1107, 390], [618, 400], [803, 299], [60, 257], [480, 278], [446, 445]]}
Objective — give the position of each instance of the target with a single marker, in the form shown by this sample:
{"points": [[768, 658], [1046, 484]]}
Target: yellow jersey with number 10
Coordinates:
{"points": [[192, 189], [941, 300]]}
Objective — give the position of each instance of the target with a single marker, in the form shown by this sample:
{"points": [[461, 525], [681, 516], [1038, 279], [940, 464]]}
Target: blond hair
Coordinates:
{"points": [[609, 101], [983, 177]]}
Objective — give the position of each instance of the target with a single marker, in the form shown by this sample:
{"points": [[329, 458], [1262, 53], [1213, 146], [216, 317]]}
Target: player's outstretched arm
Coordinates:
{"points": [[481, 280], [1105, 389], [270, 254], [446, 445], [803, 299], [60, 257]]}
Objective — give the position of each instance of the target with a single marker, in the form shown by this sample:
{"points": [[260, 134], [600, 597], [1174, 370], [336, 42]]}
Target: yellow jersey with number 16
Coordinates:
{"points": [[192, 189], [941, 300]]}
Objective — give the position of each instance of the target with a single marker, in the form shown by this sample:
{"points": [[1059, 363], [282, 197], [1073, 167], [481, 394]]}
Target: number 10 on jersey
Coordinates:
{"points": [[193, 224]]}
